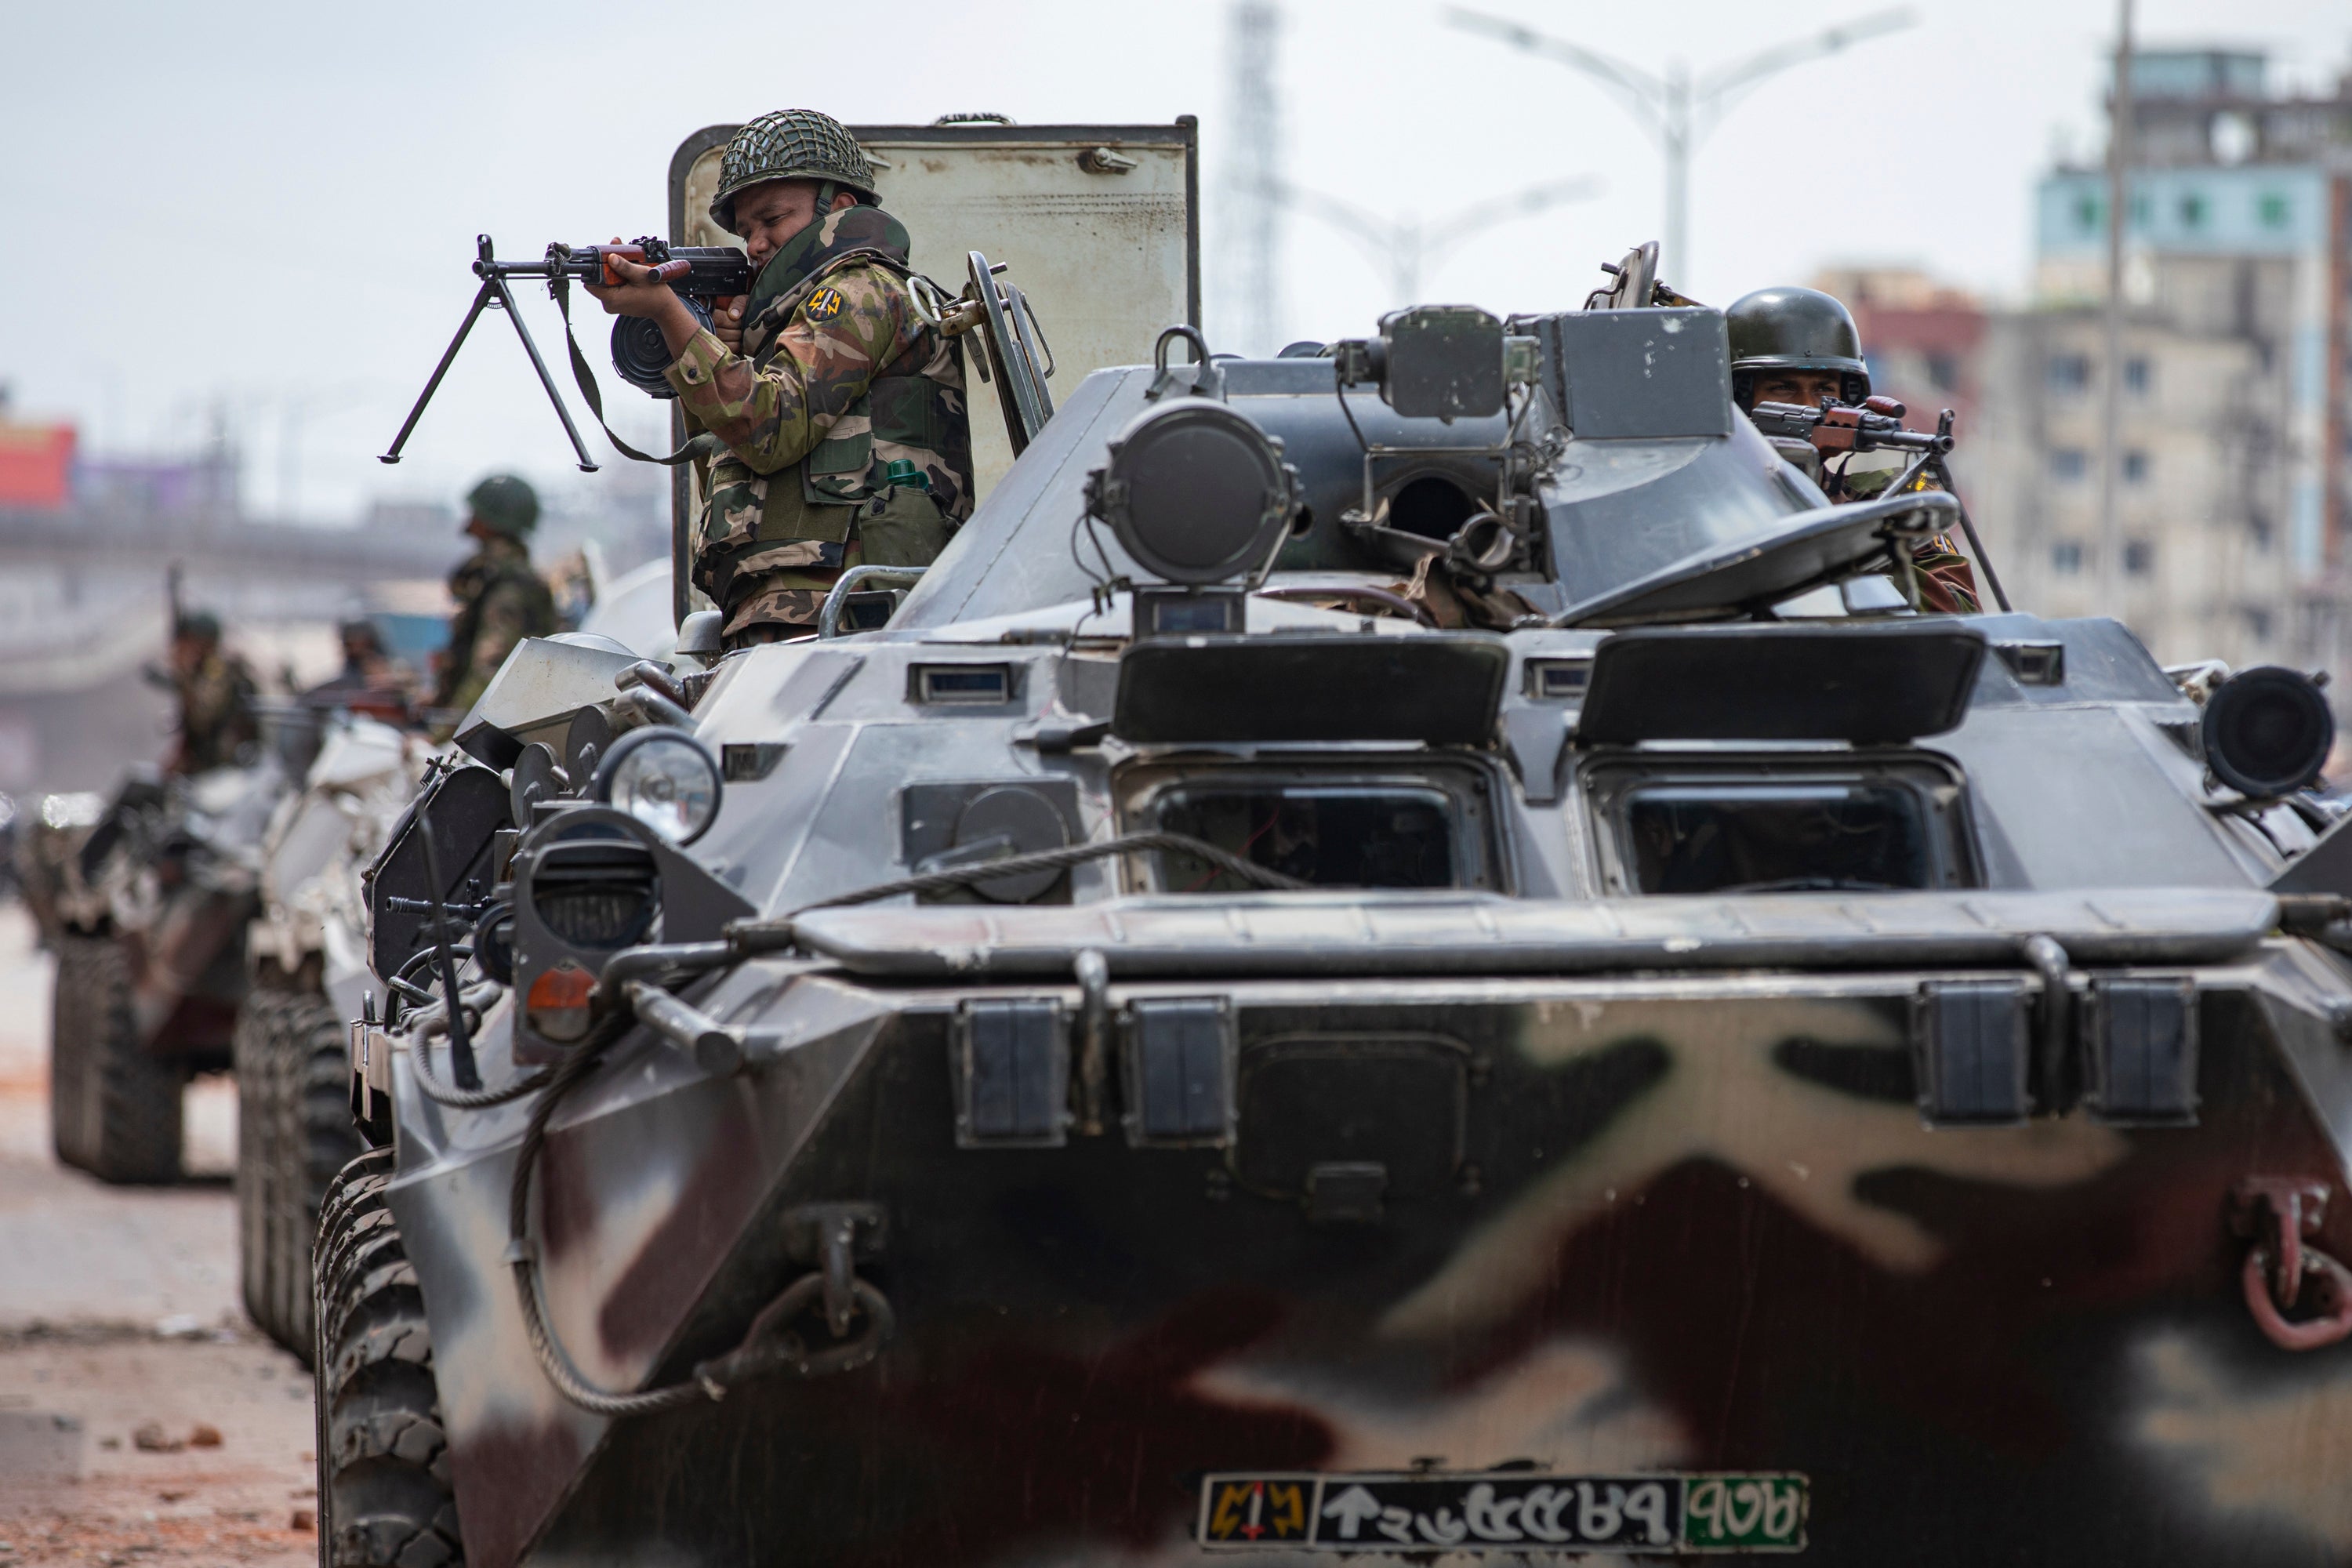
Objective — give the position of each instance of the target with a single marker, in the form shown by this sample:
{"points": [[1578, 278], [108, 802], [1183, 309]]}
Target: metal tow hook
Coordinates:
{"points": [[829, 1235], [2278, 1213]]}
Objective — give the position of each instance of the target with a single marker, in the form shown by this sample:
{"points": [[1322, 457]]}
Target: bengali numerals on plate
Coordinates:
{"points": [[1518, 1511], [1753, 1512]]}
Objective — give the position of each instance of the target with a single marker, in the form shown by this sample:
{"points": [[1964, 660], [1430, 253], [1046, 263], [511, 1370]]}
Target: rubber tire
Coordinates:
{"points": [[115, 1107], [256, 1048], [70, 1024], [314, 1139], [385, 1496]]}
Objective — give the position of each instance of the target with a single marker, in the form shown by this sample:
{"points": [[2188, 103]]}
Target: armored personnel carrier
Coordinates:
{"points": [[1412, 952], [307, 975], [145, 902]]}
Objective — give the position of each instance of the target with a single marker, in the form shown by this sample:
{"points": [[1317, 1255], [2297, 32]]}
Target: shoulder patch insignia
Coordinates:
{"points": [[823, 305]]}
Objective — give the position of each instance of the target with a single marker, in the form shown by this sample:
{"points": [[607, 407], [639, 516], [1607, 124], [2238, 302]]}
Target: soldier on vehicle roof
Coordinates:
{"points": [[1801, 345], [500, 599], [842, 413], [215, 693]]}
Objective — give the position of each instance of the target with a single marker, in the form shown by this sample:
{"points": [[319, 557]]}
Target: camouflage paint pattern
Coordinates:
{"points": [[1697, 1224]]}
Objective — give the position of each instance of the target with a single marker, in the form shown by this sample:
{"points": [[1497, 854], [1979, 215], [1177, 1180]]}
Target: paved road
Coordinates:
{"points": [[118, 1311]]}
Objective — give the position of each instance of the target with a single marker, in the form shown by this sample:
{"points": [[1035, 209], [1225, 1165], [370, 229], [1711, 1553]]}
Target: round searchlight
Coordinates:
{"points": [[665, 778], [2268, 731], [1195, 492]]}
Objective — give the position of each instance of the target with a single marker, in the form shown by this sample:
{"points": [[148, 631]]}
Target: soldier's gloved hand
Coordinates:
{"points": [[726, 324]]}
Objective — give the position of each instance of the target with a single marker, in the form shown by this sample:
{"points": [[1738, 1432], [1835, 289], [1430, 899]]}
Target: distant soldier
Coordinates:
{"points": [[370, 681], [1800, 345], [842, 413], [215, 693], [500, 600]]}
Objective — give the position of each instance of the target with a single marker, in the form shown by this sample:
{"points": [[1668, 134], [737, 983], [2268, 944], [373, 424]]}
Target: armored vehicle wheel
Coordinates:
{"points": [[312, 1140], [70, 1026], [385, 1498], [116, 1109], [255, 1054]]}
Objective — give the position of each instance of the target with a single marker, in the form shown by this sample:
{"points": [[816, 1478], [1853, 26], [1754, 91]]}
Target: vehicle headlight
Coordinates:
{"points": [[665, 778]]}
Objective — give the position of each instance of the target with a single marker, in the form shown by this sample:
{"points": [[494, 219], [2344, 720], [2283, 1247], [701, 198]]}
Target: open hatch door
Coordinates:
{"points": [[1099, 226]]}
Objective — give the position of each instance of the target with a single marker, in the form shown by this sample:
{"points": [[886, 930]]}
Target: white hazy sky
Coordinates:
{"points": [[268, 209]]}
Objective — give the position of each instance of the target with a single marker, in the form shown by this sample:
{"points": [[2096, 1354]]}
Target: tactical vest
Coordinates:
{"points": [[903, 413], [470, 585]]}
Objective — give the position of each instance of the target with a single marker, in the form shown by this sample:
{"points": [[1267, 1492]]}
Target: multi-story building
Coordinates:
{"points": [[2235, 494]]}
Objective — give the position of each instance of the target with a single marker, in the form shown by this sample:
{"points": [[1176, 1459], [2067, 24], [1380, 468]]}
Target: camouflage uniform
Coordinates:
{"points": [[217, 715], [1948, 583], [500, 601], [838, 378]]}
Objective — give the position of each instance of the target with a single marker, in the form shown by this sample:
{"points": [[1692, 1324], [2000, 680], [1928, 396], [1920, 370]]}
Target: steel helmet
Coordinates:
{"points": [[789, 144], [1794, 329], [505, 504]]}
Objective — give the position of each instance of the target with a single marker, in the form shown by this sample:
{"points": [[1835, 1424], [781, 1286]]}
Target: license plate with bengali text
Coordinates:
{"points": [[1523, 1511]]}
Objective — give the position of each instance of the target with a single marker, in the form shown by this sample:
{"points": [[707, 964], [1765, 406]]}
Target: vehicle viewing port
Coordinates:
{"points": [[1725, 828], [1327, 829]]}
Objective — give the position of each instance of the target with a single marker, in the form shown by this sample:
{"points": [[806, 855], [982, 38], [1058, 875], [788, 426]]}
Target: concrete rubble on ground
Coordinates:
{"points": [[141, 1419]]}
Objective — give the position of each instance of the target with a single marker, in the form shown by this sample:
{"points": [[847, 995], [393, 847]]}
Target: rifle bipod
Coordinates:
{"points": [[494, 295]]}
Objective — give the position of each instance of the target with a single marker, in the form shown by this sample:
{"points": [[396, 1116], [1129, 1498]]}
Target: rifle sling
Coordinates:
{"points": [[695, 447]]}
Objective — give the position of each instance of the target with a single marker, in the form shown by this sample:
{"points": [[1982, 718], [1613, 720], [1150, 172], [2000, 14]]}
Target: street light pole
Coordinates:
{"points": [[1673, 108], [1674, 137], [1402, 248]]}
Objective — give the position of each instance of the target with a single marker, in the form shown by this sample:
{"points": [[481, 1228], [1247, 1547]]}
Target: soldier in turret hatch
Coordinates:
{"points": [[841, 413], [1801, 345]]}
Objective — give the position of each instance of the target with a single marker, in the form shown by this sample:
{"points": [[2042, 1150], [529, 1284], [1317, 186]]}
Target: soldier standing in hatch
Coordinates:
{"points": [[1800, 345], [500, 600], [215, 693], [842, 413]]}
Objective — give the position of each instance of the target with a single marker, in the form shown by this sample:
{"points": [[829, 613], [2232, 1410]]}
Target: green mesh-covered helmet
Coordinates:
{"points": [[506, 505], [198, 625], [1794, 329], [789, 144]]}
